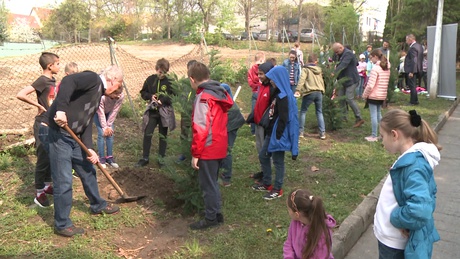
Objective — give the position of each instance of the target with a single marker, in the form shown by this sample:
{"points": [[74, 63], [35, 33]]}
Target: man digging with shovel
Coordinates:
{"points": [[75, 106]]}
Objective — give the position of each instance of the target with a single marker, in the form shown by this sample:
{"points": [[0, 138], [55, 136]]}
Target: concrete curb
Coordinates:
{"points": [[360, 219]]}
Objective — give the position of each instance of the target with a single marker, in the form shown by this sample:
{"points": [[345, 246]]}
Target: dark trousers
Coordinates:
{"points": [[227, 161], [207, 177], [42, 167], [386, 252], [154, 120], [411, 83], [253, 104]]}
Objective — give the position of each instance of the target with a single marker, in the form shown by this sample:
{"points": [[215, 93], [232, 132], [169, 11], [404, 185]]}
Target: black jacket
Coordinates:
{"points": [[347, 68]]}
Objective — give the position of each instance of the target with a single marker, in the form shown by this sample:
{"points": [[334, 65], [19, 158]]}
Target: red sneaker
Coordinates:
{"points": [[42, 201]]}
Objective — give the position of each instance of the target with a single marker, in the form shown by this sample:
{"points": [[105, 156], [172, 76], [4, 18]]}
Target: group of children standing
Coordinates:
{"points": [[404, 224]]}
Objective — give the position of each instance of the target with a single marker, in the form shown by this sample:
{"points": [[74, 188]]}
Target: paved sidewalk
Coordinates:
{"points": [[447, 213]]}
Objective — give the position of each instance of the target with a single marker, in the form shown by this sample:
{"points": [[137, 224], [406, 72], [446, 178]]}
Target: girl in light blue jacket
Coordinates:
{"points": [[403, 222]]}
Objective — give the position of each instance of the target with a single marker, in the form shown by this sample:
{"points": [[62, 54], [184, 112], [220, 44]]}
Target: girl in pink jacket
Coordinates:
{"points": [[375, 92], [309, 234]]}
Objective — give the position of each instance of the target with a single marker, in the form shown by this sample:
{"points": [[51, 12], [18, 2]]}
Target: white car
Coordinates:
{"points": [[308, 35]]}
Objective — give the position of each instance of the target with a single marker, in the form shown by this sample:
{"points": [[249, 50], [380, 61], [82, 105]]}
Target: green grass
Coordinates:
{"points": [[349, 168]]}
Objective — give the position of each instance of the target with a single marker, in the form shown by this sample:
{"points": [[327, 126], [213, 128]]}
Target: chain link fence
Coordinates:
{"points": [[17, 117]]}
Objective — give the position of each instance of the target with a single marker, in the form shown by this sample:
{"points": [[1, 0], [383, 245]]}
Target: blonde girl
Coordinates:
{"points": [[403, 222]]}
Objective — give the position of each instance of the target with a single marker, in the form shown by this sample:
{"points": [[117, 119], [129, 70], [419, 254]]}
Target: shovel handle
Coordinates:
{"points": [[104, 171]]}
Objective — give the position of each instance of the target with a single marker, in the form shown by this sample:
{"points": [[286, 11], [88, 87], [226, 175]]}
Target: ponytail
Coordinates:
{"points": [[384, 63], [383, 60], [318, 229]]}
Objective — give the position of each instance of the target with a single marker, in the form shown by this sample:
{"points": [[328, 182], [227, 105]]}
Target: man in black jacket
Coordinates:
{"points": [[75, 106], [413, 66], [346, 68]]}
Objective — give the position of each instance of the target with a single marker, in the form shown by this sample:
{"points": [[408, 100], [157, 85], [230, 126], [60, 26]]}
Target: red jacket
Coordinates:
{"points": [[263, 99], [209, 121], [253, 79]]}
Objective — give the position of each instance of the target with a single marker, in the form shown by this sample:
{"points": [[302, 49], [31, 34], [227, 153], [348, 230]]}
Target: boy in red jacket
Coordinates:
{"points": [[254, 82], [209, 142]]}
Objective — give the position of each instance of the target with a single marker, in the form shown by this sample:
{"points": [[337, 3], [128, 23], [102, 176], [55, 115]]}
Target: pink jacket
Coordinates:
{"points": [[296, 240], [377, 85], [109, 106]]}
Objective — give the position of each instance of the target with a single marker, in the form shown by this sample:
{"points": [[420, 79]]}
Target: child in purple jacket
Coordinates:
{"points": [[303, 240]]}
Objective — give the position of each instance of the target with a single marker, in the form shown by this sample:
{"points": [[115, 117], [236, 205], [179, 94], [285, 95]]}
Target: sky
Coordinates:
{"points": [[25, 6]]}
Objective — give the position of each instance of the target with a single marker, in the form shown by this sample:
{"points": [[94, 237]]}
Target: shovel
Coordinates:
{"points": [[124, 198]]}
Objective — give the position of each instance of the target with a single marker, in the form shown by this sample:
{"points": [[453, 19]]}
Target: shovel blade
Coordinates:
{"points": [[127, 199]]}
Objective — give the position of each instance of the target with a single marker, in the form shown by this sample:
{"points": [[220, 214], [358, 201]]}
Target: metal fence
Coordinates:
{"points": [[16, 117]]}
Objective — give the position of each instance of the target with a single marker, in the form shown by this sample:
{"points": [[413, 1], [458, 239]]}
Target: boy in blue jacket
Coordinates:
{"points": [[281, 135]]}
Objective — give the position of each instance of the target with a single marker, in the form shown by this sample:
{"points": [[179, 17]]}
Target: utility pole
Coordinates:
{"points": [[436, 52]]}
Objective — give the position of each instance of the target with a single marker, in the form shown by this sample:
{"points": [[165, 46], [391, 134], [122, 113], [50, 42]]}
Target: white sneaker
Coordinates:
{"points": [[113, 164], [371, 139], [103, 165]]}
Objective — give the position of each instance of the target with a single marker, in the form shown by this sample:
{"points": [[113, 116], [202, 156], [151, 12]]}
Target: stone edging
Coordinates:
{"points": [[359, 220]]}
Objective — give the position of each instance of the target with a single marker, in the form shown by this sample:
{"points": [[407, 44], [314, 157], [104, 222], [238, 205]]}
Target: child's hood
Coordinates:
{"points": [[280, 76], [314, 69], [429, 151], [219, 93]]}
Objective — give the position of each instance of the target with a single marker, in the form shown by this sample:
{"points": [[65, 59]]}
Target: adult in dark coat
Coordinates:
{"points": [[346, 68], [413, 66]]}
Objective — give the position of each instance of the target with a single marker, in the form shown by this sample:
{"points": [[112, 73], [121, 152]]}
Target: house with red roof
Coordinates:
{"points": [[25, 28]]}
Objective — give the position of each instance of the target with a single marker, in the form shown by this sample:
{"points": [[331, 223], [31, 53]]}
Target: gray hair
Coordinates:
{"points": [[113, 72]]}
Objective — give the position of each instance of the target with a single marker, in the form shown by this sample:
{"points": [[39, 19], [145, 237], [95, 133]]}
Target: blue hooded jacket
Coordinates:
{"points": [[289, 140]]}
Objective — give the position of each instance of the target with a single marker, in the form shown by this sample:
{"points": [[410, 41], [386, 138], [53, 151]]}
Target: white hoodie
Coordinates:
{"points": [[384, 231]]}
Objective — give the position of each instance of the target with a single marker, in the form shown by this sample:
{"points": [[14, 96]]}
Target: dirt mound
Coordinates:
{"points": [[158, 188]]}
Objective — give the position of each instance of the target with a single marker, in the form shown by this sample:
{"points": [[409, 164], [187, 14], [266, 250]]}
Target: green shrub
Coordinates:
{"points": [[5, 161]]}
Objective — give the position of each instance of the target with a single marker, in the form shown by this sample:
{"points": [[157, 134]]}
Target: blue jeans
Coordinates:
{"points": [[65, 154], [386, 252], [376, 116], [317, 98], [278, 162], [227, 161], [101, 139], [253, 103]]}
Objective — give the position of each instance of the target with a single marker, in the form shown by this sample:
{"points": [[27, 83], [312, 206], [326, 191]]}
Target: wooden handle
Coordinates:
{"points": [[104, 171]]}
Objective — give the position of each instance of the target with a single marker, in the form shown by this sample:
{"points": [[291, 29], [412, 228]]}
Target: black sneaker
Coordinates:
{"points": [[257, 176], [273, 194], [70, 231], [110, 209], [219, 217], [142, 162], [204, 224], [41, 200], [262, 187]]}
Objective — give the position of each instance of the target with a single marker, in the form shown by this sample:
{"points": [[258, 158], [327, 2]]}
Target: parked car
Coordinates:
{"points": [[228, 36], [309, 34], [263, 35], [244, 35], [292, 36]]}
